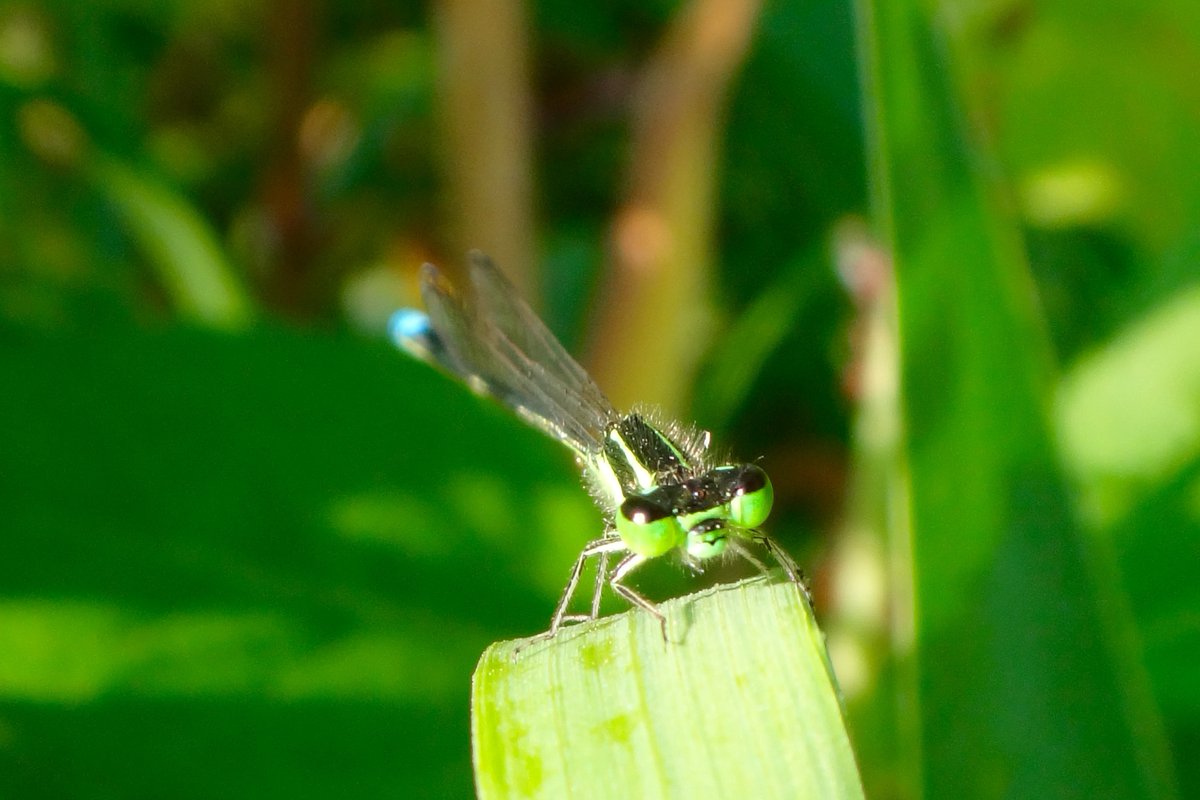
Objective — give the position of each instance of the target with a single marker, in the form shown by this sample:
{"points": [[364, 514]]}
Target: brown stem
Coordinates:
{"points": [[292, 30], [485, 126], [652, 326]]}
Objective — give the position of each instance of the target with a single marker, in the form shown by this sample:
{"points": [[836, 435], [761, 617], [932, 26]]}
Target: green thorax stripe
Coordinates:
{"points": [[640, 454]]}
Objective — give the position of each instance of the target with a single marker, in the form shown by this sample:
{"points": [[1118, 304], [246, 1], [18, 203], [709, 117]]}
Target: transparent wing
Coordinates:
{"points": [[495, 343], [504, 308]]}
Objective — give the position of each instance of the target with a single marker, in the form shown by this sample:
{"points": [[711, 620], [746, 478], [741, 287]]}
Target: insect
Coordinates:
{"points": [[657, 485]]}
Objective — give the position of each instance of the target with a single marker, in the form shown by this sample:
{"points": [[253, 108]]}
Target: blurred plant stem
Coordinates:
{"points": [[654, 315], [291, 48], [485, 121], [870, 603]]}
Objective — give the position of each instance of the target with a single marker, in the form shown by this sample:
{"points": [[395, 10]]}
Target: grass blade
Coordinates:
{"points": [[1024, 682], [742, 704], [179, 244]]}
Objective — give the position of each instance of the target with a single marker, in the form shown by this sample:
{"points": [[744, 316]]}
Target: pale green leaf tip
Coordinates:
{"points": [[741, 703]]}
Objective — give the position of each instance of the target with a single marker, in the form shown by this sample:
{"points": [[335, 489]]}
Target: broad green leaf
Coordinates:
{"points": [[1130, 411], [1158, 542], [1025, 684], [1130, 422], [742, 704], [1075, 63], [258, 565]]}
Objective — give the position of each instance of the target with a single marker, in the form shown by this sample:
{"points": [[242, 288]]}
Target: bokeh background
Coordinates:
{"points": [[248, 549]]}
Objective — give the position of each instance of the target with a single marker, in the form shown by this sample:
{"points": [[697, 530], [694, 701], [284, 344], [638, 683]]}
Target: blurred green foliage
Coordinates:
{"points": [[1014, 613], [246, 549]]}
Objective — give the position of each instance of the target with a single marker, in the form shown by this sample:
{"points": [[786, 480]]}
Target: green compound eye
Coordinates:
{"points": [[648, 528], [752, 497]]}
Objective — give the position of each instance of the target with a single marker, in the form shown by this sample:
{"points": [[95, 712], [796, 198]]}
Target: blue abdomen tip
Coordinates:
{"points": [[408, 324]]}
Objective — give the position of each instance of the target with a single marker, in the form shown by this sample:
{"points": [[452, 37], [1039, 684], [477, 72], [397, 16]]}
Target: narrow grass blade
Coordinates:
{"points": [[1026, 684], [742, 703], [739, 354], [178, 243]]}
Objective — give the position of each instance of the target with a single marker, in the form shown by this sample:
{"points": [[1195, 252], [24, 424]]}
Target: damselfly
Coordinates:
{"points": [[660, 490]]}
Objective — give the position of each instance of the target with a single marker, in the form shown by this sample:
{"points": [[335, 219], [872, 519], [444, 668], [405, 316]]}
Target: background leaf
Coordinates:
{"points": [[254, 552], [1016, 619]]}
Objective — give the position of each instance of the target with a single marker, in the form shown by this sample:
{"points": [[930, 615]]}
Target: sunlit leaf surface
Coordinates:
{"points": [[741, 704]]}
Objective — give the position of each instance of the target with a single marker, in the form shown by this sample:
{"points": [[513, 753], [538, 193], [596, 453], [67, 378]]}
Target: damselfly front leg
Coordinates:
{"points": [[628, 565], [601, 579], [597, 591], [598, 547], [795, 575]]}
